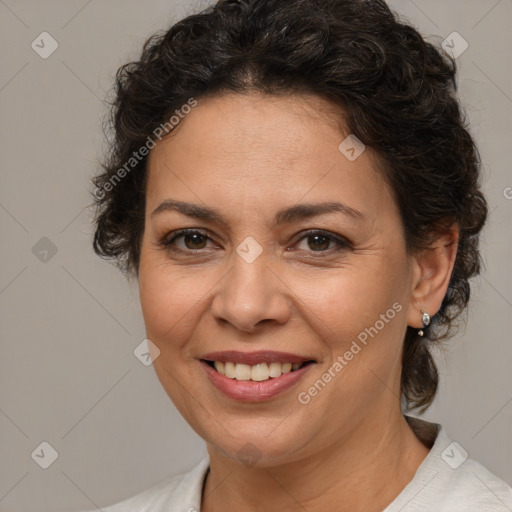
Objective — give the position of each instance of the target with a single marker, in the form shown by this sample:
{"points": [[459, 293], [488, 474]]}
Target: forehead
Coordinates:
{"points": [[270, 148], [257, 125]]}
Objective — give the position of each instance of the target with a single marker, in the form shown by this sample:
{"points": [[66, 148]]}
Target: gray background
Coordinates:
{"points": [[69, 325]]}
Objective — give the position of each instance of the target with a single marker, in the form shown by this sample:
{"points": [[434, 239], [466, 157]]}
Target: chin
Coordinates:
{"points": [[260, 445]]}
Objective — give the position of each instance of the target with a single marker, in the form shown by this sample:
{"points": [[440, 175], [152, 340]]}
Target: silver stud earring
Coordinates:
{"points": [[426, 320]]}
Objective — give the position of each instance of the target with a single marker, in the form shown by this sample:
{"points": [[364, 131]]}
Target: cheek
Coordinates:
{"points": [[171, 299], [342, 302], [358, 316], [162, 300]]}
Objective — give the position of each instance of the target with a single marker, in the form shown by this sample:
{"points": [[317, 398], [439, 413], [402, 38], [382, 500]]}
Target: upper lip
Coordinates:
{"points": [[252, 358]]}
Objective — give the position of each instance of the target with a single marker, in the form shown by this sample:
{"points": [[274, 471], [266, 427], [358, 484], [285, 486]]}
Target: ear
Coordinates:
{"points": [[432, 270]]}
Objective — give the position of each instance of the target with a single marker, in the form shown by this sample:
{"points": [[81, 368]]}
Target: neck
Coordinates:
{"points": [[364, 471]]}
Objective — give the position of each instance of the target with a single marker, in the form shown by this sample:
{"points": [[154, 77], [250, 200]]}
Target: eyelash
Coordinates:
{"points": [[167, 242]]}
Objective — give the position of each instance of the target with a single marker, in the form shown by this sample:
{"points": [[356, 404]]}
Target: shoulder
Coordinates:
{"points": [[181, 492], [150, 498], [480, 488], [449, 481]]}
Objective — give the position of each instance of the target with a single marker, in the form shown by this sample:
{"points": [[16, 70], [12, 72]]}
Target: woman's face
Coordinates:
{"points": [[253, 281]]}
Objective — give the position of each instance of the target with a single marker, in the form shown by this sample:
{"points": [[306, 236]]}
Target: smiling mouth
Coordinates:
{"points": [[257, 372]]}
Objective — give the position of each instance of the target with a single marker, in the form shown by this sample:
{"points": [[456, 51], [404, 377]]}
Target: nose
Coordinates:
{"points": [[251, 295]]}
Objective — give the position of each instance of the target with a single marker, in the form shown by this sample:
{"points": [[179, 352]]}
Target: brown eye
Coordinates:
{"points": [[319, 241], [196, 241], [193, 240]]}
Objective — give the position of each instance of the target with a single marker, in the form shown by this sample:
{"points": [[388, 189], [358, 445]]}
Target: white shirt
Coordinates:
{"points": [[446, 481]]}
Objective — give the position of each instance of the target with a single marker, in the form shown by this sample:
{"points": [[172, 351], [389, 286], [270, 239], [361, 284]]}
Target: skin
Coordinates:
{"points": [[248, 156]]}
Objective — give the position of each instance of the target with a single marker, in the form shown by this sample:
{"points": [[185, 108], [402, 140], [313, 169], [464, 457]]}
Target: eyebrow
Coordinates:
{"points": [[286, 215]]}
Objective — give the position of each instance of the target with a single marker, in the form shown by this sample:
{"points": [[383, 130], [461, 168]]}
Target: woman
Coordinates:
{"points": [[294, 188]]}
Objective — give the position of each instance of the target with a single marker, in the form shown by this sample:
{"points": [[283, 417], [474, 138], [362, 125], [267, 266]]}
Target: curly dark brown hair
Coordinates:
{"points": [[398, 95]]}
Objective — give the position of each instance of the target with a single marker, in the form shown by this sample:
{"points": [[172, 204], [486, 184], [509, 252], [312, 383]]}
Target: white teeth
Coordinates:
{"points": [[242, 372], [286, 367], [258, 372], [229, 370], [275, 370]]}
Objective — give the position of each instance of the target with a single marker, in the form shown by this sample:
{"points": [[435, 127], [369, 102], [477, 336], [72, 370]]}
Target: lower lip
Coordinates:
{"points": [[252, 391]]}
